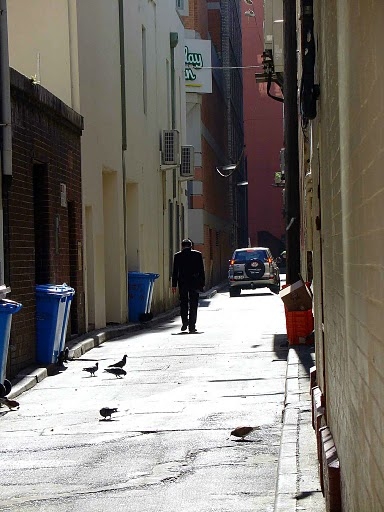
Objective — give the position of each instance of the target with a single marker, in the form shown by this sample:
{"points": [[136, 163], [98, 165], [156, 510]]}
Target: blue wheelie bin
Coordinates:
{"points": [[140, 291], [69, 297], [152, 278], [7, 309], [52, 313]]}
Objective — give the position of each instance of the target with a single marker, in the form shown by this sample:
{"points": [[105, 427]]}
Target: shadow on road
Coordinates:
{"points": [[305, 354], [280, 345]]}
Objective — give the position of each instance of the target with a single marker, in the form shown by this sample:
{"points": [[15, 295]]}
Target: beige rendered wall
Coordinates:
{"points": [[347, 161], [99, 78], [79, 63], [78, 45], [39, 43], [151, 189]]}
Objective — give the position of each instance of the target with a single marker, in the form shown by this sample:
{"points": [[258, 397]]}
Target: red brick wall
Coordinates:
{"points": [[263, 130], [214, 22], [216, 196], [46, 133], [198, 18]]}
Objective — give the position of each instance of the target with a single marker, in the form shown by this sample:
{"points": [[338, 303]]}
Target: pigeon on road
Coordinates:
{"points": [[107, 412], [92, 369], [119, 364], [118, 372], [242, 432], [11, 404]]}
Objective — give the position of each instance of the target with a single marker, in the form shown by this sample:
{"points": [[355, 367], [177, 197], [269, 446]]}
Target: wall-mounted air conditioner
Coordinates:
{"points": [[187, 166], [273, 32], [170, 154]]}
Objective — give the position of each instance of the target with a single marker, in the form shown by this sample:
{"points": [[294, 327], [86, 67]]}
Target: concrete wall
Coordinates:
{"points": [[100, 104], [77, 44], [156, 189], [346, 161]]}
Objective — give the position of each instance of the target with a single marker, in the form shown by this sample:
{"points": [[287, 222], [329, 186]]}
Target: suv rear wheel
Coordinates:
{"points": [[275, 288]]}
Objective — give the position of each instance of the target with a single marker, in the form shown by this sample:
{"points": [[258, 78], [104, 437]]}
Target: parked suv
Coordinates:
{"points": [[252, 267]]}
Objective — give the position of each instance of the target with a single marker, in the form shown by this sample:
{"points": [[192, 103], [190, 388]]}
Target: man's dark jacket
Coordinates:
{"points": [[188, 270]]}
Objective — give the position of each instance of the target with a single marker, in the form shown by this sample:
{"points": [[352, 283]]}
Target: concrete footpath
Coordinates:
{"points": [[298, 486]]}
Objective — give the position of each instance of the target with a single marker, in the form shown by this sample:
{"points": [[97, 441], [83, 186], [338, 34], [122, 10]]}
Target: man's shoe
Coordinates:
{"points": [[184, 327], [192, 329]]}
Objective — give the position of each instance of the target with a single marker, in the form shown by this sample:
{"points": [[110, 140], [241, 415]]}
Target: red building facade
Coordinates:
{"points": [[263, 134], [215, 129]]}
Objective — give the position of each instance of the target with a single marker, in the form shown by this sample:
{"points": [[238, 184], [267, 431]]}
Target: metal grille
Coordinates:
{"points": [[187, 160], [170, 144]]}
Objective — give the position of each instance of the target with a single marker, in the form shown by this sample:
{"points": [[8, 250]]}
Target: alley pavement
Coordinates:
{"points": [[297, 481]]}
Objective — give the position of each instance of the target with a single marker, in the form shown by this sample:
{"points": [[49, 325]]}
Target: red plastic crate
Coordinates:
{"points": [[299, 325]]}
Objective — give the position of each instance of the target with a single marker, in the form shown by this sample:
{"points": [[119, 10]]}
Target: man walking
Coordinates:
{"points": [[188, 274]]}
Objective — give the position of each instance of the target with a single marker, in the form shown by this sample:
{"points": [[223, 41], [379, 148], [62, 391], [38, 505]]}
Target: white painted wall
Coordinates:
{"points": [[77, 42], [41, 28], [155, 187]]}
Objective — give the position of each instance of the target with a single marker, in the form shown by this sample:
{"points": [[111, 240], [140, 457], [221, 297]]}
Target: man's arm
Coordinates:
{"points": [[201, 271], [175, 273]]}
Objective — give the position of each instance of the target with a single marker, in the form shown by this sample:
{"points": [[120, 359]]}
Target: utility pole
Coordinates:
{"points": [[292, 190]]}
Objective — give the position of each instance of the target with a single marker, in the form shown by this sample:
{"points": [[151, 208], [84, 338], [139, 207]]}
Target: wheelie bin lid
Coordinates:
{"points": [[8, 306], [62, 290], [150, 275]]}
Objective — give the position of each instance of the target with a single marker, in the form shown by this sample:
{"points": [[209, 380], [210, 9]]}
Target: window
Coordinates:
{"points": [[247, 255]]}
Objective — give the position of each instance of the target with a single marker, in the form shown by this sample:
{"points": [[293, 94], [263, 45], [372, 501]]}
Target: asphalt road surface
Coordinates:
{"points": [[168, 448]]}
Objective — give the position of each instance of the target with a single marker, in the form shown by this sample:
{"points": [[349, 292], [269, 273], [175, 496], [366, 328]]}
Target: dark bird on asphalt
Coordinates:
{"points": [[63, 357], [118, 372], [119, 364], [107, 412], [242, 432], [92, 369], [11, 404]]}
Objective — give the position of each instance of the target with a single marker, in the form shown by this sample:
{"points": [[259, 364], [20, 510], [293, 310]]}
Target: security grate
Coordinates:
{"points": [[170, 147], [187, 160]]}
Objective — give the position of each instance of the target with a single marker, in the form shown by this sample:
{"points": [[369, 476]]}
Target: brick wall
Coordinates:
{"points": [[349, 260], [206, 20], [43, 238], [197, 19]]}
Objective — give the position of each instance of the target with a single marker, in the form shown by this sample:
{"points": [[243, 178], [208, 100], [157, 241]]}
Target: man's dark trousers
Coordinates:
{"points": [[188, 299]]}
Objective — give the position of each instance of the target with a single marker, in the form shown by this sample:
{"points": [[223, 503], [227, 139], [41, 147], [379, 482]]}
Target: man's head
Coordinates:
{"points": [[186, 244]]}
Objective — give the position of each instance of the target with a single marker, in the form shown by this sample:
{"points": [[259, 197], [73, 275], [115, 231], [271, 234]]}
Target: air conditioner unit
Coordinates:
{"points": [[170, 148], [187, 166]]}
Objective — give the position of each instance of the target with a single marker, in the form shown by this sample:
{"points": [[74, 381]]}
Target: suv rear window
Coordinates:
{"points": [[244, 256]]}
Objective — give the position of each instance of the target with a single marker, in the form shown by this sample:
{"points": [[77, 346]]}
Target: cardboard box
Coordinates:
{"points": [[296, 297]]}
